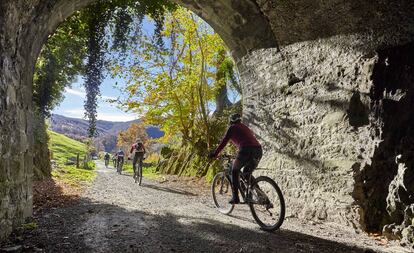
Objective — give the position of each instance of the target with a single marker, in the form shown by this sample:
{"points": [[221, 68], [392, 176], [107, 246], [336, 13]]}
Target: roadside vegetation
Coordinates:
{"points": [[179, 75], [64, 152]]}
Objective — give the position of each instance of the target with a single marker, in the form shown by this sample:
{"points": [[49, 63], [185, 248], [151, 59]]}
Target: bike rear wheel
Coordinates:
{"points": [[266, 203], [222, 193], [138, 175]]}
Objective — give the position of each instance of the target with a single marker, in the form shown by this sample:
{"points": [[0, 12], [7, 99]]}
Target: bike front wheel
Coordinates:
{"points": [[222, 193], [138, 175], [266, 203]]}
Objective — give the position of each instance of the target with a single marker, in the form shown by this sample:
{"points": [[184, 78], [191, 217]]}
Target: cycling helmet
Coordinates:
{"points": [[235, 118]]}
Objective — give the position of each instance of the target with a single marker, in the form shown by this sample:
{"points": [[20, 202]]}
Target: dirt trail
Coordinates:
{"points": [[116, 215]]}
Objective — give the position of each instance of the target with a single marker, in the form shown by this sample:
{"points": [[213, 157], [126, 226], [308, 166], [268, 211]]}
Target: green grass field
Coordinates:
{"points": [[65, 149]]}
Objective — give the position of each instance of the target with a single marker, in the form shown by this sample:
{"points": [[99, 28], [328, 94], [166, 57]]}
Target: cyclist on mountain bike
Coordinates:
{"points": [[114, 159], [249, 154], [137, 151], [106, 158], [120, 159]]}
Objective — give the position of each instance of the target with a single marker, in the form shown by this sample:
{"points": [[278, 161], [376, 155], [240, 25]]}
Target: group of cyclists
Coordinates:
{"points": [[137, 153], [249, 152], [259, 193]]}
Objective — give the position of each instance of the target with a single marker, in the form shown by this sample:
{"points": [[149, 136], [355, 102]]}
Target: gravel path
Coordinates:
{"points": [[116, 215]]}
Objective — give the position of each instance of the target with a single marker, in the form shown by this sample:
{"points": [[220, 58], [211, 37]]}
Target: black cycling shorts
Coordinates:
{"points": [[249, 158]]}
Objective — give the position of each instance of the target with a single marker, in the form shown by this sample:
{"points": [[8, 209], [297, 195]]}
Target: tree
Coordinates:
{"points": [[83, 38], [59, 63], [176, 86], [128, 137], [119, 15]]}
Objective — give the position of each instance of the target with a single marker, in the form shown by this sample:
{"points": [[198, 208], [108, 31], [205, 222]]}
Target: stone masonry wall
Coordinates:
{"points": [[314, 108], [329, 122], [15, 122], [24, 27]]}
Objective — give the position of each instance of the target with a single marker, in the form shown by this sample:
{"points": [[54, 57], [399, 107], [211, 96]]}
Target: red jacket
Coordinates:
{"points": [[138, 149], [240, 135]]}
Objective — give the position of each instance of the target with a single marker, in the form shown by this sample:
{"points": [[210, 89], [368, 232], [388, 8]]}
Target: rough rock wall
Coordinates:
{"points": [[15, 122], [332, 115], [41, 154], [388, 180], [314, 102], [24, 28]]}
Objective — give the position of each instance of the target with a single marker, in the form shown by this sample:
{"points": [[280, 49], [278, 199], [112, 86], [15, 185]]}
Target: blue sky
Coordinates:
{"points": [[72, 105]]}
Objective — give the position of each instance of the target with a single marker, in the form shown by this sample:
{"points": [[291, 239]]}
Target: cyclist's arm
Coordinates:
{"points": [[223, 142], [132, 149]]}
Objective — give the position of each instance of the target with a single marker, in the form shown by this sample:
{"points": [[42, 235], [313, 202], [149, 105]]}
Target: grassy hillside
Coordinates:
{"points": [[64, 150]]}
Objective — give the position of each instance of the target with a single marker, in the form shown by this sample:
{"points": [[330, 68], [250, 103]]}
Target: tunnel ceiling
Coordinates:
{"points": [[247, 25]]}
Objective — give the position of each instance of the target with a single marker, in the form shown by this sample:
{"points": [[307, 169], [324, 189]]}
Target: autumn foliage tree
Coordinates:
{"points": [[128, 137], [179, 85]]}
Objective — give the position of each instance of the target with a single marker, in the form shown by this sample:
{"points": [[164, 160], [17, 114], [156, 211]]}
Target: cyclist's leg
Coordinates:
{"points": [[235, 172], [134, 163], [119, 163], [253, 161], [141, 158], [238, 163]]}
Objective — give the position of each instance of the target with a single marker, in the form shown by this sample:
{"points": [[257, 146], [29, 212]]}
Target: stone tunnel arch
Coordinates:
{"points": [[305, 67], [26, 27]]}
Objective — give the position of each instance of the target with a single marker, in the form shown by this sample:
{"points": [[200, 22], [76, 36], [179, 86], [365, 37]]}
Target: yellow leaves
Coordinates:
{"points": [[128, 137], [175, 87]]}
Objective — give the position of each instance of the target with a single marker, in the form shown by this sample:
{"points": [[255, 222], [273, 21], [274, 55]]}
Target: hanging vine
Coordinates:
{"points": [[97, 17], [120, 15]]}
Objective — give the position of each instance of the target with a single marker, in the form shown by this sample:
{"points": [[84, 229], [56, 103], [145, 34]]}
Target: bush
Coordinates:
{"points": [[166, 152], [89, 165], [152, 158]]}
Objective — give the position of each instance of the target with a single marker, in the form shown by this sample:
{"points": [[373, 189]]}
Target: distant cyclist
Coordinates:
{"points": [[114, 159], [120, 160], [106, 158], [137, 151], [249, 154]]}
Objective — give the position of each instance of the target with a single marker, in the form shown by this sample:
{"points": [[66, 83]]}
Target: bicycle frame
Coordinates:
{"points": [[254, 192], [245, 183]]}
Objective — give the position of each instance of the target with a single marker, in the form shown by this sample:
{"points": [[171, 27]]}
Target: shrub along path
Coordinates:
{"points": [[116, 215]]}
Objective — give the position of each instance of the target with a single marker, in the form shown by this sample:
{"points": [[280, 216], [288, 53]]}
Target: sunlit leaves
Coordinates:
{"points": [[174, 86], [60, 61]]}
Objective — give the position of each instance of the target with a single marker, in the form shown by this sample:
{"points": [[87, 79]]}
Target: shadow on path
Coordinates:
{"points": [[170, 190], [97, 227]]}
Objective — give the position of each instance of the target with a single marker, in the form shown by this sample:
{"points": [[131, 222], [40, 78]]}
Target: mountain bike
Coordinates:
{"points": [[120, 164], [138, 171], [106, 163], [262, 194]]}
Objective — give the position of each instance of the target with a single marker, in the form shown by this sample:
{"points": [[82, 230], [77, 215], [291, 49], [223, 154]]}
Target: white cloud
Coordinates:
{"points": [[116, 116], [80, 112], [74, 113], [108, 97], [80, 93]]}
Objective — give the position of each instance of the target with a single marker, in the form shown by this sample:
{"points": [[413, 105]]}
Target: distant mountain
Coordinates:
{"points": [[106, 130]]}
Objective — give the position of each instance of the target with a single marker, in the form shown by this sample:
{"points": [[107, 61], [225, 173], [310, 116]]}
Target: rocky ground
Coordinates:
{"points": [[116, 215]]}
